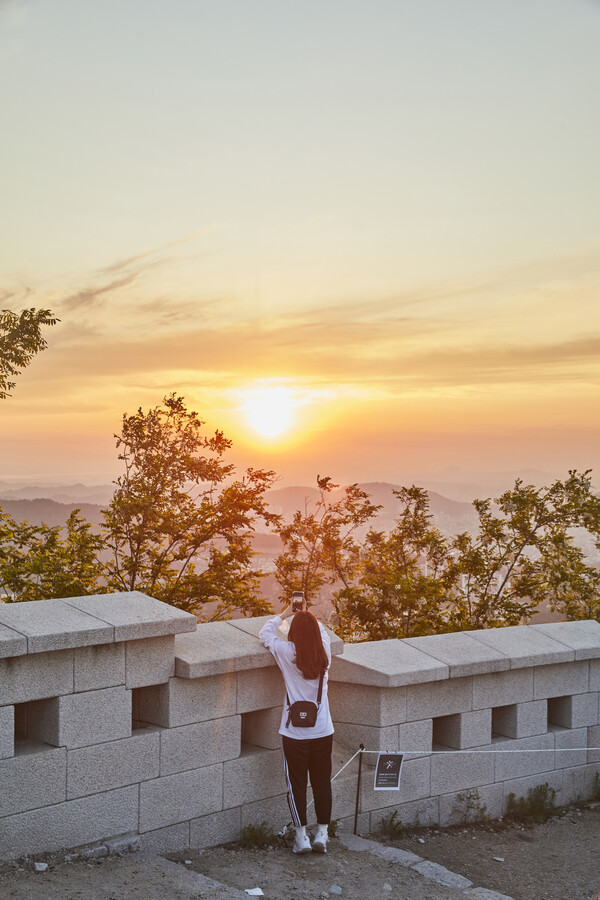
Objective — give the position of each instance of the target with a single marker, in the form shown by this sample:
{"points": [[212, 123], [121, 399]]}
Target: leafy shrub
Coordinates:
{"points": [[469, 808], [537, 806], [253, 836], [391, 825]]}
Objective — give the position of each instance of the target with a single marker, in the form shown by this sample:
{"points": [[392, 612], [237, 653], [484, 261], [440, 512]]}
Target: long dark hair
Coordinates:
{"points": [[305, 635]]}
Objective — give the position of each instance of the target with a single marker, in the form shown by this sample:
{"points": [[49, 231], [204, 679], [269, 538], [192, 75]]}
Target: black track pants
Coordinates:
{"points": [[302, 758]]}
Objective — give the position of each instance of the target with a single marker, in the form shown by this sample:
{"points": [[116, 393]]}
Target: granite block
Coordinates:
{"points": [[594, 674], [586, 781], [200, 744], [593, 741], [416, 737], [166, 840], [177, 798], [99, 666], [216, 648], [564, 740], [391, 663], [11, 642], [134, 615], [34, 777], [352, 736], [218, 828], [463, 730], [182, 702], [573, 711], [363, 824], [502, 688], [366, 704], [274, 810], [78, 720], [261, 728], [583, 637], [461, 653], [560, 679], [114, 764], [474, 805], [149, 661], [524, 645], [424, 701], [255, 775], [520, 786], [7, 731], [518, 764], [417, 813], [520, 719], [69, 824], [54, 625], [31, 677], [453, 772], [259, 689], [441, 874]]}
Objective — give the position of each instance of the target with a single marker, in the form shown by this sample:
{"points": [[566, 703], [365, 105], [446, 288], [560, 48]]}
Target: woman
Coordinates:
{"points": [[304, 660]]}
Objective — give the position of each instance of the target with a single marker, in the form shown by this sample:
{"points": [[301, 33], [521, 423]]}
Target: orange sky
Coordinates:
{"points": [[403, 236]]}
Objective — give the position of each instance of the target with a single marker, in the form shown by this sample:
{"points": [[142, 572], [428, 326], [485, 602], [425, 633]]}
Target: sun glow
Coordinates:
{"points": [[270, 410]]}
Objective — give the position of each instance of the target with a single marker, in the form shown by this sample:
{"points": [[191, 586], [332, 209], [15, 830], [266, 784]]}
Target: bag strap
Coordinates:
{"points": [[319, 693]]}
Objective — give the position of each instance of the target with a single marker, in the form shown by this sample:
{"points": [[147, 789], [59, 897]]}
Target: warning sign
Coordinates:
{"points": [[387, 771]]}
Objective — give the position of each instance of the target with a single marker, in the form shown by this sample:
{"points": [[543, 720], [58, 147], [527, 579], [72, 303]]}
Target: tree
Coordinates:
{"points": [[525, 553], [414, 580], [20, 339], [36, 563], [402, 581], [179, 524], [320, 544]]}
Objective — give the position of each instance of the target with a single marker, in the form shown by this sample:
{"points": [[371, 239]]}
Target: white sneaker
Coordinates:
{"points": [[302, 845], [320, 843]]}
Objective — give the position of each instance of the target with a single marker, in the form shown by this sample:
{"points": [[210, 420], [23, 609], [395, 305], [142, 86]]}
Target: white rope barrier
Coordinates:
{"points": [[475, 750]]}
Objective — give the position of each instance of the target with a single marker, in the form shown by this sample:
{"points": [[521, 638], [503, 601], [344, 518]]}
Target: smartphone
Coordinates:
{"points": [[297, 601]]}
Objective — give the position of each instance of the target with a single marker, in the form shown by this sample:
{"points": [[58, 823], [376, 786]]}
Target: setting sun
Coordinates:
{"points": [[269, 410]]}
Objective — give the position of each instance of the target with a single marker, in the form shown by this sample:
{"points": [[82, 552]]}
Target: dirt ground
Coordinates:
{"points": [[556, 860]]}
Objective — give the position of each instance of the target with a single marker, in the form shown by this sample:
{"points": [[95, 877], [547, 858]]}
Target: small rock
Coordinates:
{"points": [[335, 889], [420, 840], [187, 862], [21, 869], [40, 867], [498, 858], [386, 887]]}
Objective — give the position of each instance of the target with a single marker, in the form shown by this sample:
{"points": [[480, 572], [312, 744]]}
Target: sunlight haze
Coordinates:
{"points": [[361, 239]]}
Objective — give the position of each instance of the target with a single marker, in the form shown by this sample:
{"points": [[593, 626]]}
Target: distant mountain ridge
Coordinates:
{"points": [[450, 516]]}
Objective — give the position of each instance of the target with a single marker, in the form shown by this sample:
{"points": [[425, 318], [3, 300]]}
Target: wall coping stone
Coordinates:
{"points": [[525, 645], [231, 646], [11, 642], [48, 625], [390, 663], [407, 661], [582, 636]]}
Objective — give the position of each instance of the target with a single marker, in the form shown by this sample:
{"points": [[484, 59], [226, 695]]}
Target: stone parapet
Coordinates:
{"points": [[118, 716]]}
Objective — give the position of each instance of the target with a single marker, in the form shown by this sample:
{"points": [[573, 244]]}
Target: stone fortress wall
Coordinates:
{"points": [[120, 717]]}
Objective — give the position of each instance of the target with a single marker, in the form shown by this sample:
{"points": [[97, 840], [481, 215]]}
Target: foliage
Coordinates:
{"points": [[469, 807], [257, 836], [402, 580], [596, 787], [391, 826], [20, 339], [36, 563], [537, 806], [179, 523], [415, 581], [526, 554], [319, 543], [332, 828]]}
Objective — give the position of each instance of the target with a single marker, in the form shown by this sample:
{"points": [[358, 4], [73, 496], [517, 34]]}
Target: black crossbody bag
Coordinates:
{"points": [[303, 713]]}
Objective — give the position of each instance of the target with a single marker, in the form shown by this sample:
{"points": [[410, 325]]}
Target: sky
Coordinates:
{"points": [[360, 238]]}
